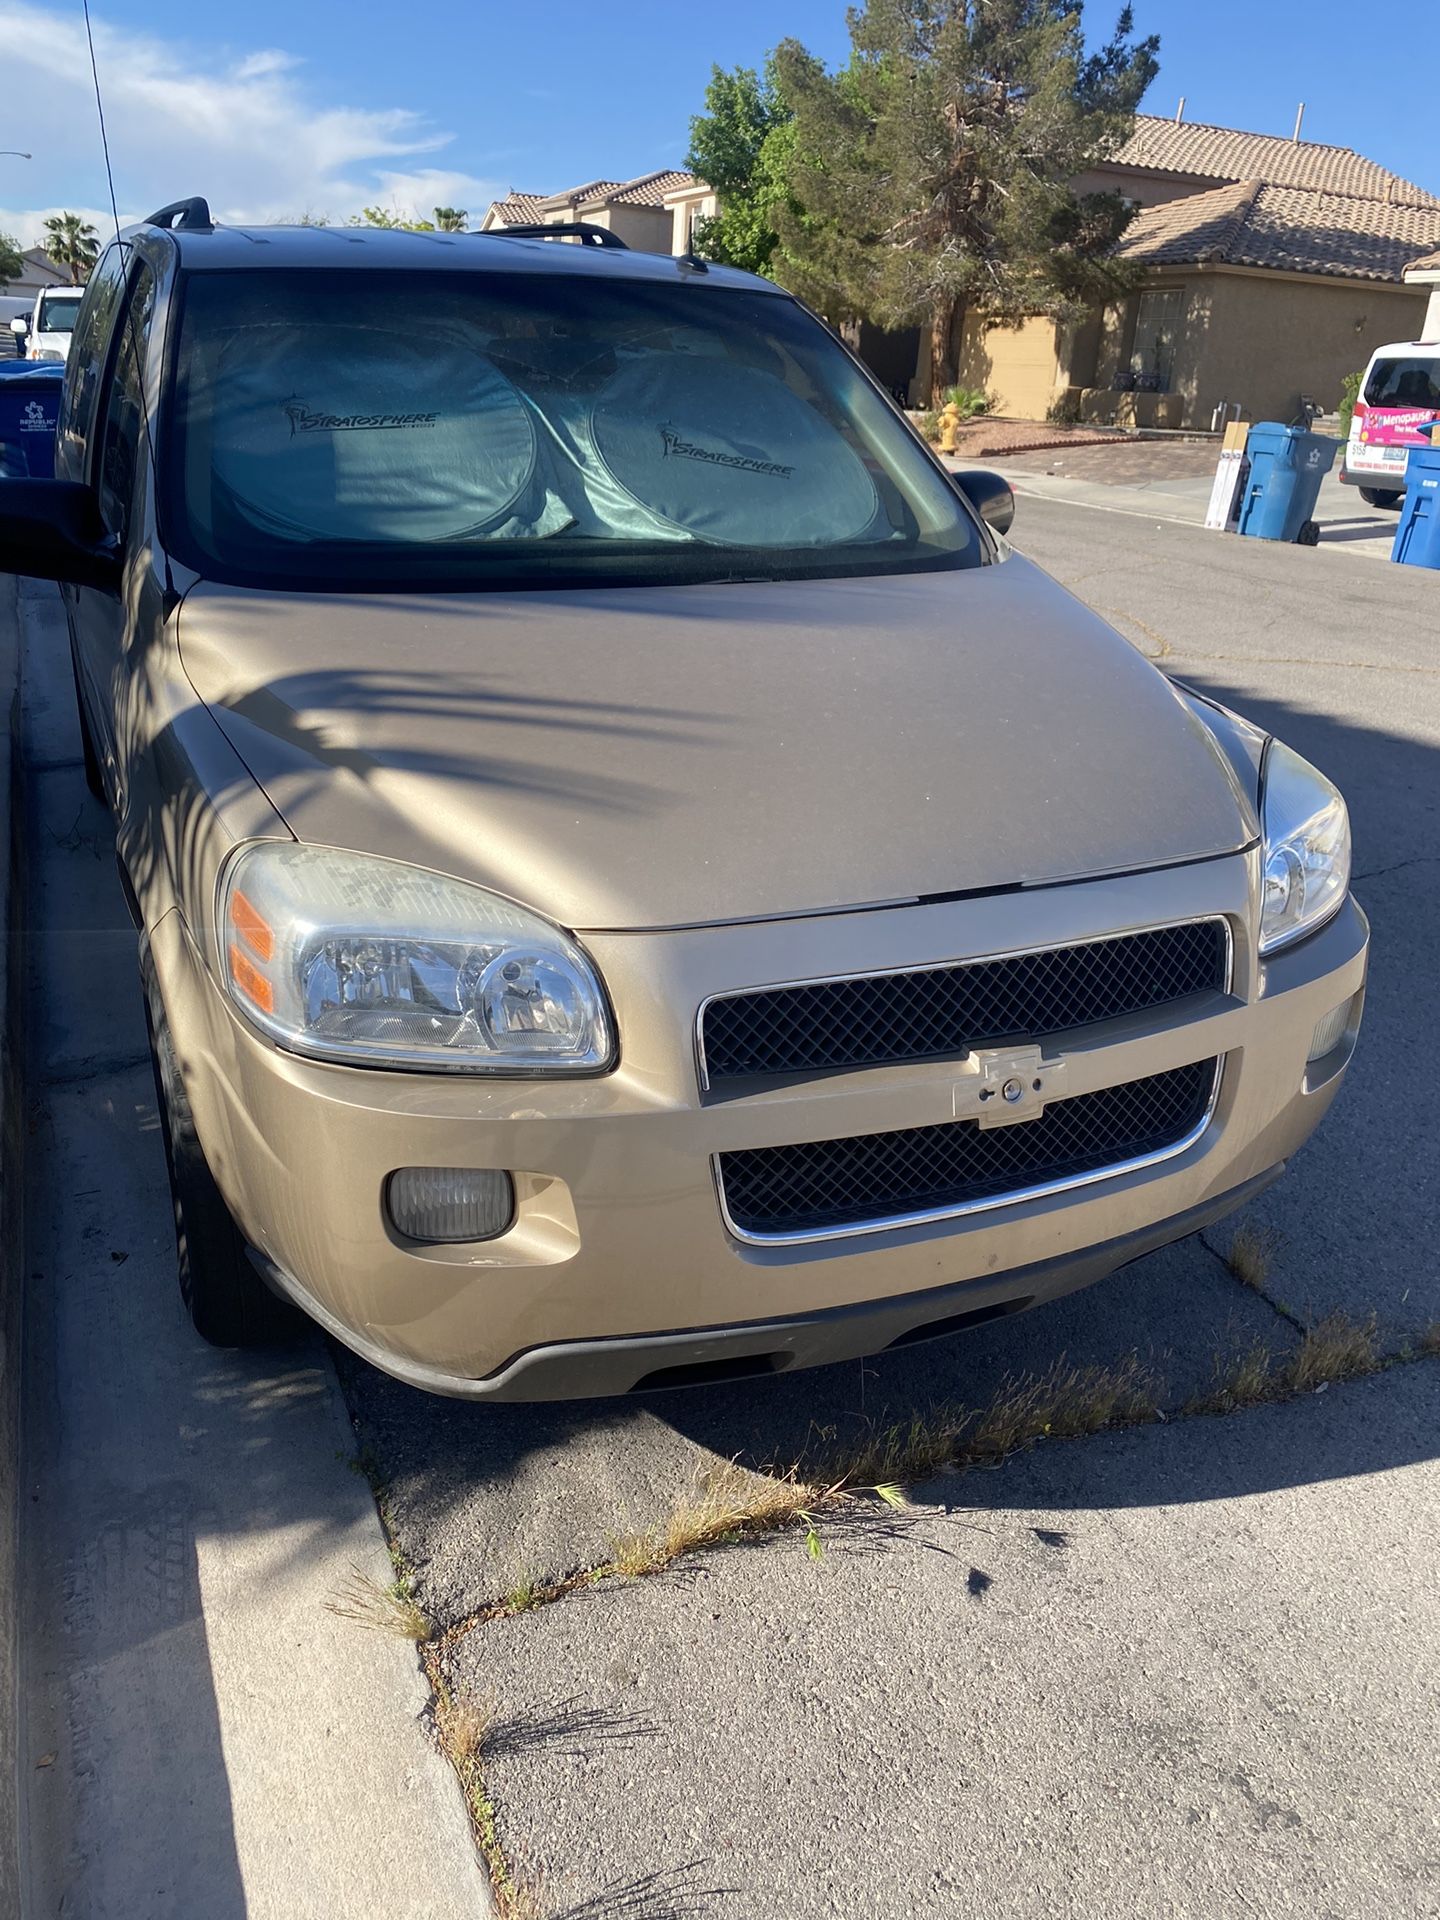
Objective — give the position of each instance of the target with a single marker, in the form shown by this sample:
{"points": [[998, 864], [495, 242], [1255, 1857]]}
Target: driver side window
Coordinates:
{"points": [[120, 437], [85, 369]]}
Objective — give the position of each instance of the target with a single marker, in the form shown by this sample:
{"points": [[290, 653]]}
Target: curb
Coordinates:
{"points": [[12, 1135]]}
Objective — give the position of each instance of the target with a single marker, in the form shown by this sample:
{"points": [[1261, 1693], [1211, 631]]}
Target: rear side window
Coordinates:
{"points": [[125, 409], [1410, 382]]}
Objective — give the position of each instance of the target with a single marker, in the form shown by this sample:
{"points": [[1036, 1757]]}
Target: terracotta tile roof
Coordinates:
{"points": [[588, 193], [1427, 263], [1225, 153], [518, 209], [1252, 224], [645, 190]]}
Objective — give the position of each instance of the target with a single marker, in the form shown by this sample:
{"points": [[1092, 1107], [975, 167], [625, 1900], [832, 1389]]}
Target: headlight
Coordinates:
{"points": [[1307, 848], [353, 958]]}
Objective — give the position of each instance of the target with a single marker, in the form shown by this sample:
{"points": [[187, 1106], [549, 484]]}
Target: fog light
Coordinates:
{"points": [[1329, 1032], [450, 1203]]}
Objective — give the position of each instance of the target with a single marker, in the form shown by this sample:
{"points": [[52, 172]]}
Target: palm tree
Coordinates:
{"points": [[72, 242], [451, 219]]}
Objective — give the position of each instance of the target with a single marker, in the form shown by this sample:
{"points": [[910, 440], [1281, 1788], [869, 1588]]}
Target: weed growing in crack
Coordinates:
{"points": [[393, 1609], [728, 1503], [1252, 1255], [1335, 1348], [463, 1724], [527, 1592], [1244, 1380], [1061, 1404]]}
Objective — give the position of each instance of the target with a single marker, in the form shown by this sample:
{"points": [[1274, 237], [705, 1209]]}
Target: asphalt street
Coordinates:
{"points": [[1179, 1671], [1183, 1671]]}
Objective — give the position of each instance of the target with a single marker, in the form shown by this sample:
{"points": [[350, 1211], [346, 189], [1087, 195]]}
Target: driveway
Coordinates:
{"points": [[1183, 1668], [1171, 480]]}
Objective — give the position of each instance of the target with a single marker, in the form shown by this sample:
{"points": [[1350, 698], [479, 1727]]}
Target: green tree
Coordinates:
{"points": [[12, 260], [72, 243], [741, 146], [933, 173], [391, 217], [452, 219]]}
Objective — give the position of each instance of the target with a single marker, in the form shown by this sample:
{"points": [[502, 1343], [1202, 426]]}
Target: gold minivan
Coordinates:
{"points": [[637, 882]]}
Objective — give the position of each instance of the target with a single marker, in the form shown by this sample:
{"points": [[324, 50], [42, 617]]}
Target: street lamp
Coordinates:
{"points": [[14, 153]]}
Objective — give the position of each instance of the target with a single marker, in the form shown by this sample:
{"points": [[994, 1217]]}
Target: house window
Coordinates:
{"points": [[1158, 320]]}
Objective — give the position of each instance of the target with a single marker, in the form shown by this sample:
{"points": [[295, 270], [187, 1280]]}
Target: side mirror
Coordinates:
{"points": [[51, 530], [989, 495], [20, 325]]}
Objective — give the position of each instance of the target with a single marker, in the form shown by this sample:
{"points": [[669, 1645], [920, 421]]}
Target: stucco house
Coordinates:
{"points": [[643, 212], [1273, 267], [1425, 273], [37, 270]]}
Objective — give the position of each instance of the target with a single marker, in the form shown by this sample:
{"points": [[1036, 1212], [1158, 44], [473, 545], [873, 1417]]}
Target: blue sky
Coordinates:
{"points": [[275, 109]]}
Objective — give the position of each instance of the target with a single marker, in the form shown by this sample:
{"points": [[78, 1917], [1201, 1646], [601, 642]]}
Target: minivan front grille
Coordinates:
{"points": [[874, 1179], [933, 1012]]}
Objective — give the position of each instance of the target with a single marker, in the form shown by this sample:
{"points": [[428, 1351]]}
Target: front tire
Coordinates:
{"points": [[228, 1303], [1380, 496]]}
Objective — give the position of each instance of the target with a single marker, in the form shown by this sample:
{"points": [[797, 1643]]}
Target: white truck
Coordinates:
{"points": [[52, 321]]}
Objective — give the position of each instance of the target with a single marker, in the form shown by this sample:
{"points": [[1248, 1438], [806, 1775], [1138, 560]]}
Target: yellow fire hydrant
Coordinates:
{"points": [[949, 427]]}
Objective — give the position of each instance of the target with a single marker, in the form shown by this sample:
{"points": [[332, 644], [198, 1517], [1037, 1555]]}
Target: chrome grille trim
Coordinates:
{"points": [[899, 1222]]}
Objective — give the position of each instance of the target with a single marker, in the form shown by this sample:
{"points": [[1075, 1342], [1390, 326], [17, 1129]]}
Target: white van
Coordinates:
{"points": [[1399, 400], [52, 322]]}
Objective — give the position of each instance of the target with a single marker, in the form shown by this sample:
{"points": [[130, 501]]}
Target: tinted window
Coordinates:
{"points": [[1404, 383], [86, 364], [124, 408], [536, 430]]}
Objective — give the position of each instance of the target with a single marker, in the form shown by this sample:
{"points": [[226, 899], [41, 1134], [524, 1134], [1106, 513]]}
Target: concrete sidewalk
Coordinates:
{"points": [[201, 1738]]}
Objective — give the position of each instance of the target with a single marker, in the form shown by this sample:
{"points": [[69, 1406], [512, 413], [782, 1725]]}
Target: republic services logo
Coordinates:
{"points": [[34, 419]]}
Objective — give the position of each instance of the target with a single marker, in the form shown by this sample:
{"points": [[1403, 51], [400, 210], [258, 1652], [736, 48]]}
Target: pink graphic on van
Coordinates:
{"points": [[1396, 426]]}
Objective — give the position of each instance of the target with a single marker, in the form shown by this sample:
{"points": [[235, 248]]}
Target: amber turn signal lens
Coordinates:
{"points": [[251, 982], [254, 929]]}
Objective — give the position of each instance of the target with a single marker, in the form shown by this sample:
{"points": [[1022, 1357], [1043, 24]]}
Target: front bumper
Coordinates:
{"points": [[1385, 476], [619, 1267]]}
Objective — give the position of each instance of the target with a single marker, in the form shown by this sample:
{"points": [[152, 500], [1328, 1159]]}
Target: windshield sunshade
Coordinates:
{"points": [[729, 453], [317, 436], [474, 429]]}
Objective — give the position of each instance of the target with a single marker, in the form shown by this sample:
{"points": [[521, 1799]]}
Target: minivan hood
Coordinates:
{"points": [[660, 757]]}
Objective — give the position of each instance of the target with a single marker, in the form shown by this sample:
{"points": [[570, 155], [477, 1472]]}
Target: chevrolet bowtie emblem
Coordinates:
{"points": [[1001, 1086]]}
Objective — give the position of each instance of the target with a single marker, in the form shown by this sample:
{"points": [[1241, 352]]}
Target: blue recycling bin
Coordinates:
{"points": [[1417, 538], [29, 409], [1287, 465]]}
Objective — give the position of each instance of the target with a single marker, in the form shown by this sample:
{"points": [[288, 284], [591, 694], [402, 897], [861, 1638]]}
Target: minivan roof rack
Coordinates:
{"points": [[193, 215], [585, 231]]}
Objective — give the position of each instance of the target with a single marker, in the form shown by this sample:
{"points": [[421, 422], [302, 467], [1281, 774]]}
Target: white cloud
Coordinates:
{"points": [[248, 132]]}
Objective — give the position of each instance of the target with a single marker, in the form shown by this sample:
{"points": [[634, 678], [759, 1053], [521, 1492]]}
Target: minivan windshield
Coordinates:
{"points": [[533, 429], [57, 312]]}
